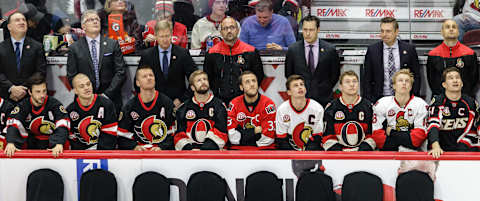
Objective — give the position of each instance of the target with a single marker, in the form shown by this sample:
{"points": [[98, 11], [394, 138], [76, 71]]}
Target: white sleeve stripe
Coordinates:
{"points": [[234, 136], [216, 139], [128, 135], [63, 122], [264, 141], [17, 124]]}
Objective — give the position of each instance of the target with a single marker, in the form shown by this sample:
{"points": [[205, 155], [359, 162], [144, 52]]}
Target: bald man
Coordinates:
{"points": [[451, 53], [226, 60]]}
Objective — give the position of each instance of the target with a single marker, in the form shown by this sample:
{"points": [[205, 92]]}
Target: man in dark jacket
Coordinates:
{"points": [[315, 60], [226, 60]]}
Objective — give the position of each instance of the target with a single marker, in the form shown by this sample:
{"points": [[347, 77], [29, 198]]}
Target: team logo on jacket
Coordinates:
{"points": [[352, 134], [40, 126], [402, 124], [446, 111], [199, 130], [300, 136], [241, 116], [88, 130], [460, 63], [190, 114], [240, 60], [152, 130]]}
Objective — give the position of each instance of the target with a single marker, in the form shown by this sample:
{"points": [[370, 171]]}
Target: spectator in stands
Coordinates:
{"points": [[146, 121], [267, 30], [98, 57], [467, 16], [452, 53], [20, 57], [93, 118], [38, 122], [40, 24], [452, 125], [184, 13], [300, 119], [399, 120], [349, 112], [130, 24], [201, 120], [314, 59], [164, 10], [290, 10], [251, 117], [206, 31], [226, 60], [171, 64], [386, 57], [241, 9]]}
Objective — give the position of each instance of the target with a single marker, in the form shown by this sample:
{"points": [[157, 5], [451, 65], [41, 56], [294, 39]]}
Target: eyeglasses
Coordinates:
{"points": [[229, 28]]}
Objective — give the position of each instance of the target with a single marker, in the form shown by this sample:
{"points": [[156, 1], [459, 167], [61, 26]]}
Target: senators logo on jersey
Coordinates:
{"points": [[88, 130], [300, 136], [402, 123], [40, 126], [199, 130], [352, 134], [152, 130]]}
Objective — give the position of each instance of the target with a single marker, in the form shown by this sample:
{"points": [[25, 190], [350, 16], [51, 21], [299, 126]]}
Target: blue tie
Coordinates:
{"points": [[165, 64], [95, 63], [17, 55]]}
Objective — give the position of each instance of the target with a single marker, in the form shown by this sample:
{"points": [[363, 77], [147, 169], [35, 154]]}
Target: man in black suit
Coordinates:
{"points": [[171, 64], [386, 57], [315, 60], [20, 57], [104, 64]]}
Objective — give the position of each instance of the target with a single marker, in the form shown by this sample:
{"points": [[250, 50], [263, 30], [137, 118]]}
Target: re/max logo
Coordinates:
{"points": [[380, 12], [332, 12], [428, 13]]}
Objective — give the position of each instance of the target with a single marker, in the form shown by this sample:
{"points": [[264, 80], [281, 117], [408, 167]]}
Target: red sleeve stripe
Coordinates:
{"points": [[124, 133], [110, 129], [329, 137], [18, 124], [63, 123], [281, 135], [433, 125]]}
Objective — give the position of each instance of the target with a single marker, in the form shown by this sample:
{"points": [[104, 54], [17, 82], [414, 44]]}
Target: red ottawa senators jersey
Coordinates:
{"points": [[348, 126], [201, 125], [43, 127], [5, 108], [146, 124], [93, 126], [244, 117], [454, 124]]}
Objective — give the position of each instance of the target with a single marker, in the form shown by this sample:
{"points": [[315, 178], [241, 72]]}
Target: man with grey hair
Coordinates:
{"points": [[266, 30], [98, 57], [171, 64]]}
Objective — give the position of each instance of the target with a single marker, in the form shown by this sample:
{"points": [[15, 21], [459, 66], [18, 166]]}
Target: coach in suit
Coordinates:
{"points": [[315, 60], [99, 58], [170, 63], [20, 57], [386, 57]]}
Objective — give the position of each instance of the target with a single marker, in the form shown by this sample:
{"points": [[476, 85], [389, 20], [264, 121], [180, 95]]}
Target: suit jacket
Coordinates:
{"points": [[180, 67], [374, 69], [32, 60], [111, 65], [320, 83]]}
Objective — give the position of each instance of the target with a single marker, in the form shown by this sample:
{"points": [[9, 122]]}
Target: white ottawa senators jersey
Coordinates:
{"points": [[299, 126], [93, 125], [408, 123], [244, 117]]}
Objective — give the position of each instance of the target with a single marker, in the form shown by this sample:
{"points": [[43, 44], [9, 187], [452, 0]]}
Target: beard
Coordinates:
{"points": [[202, 91], [251, 95]]}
